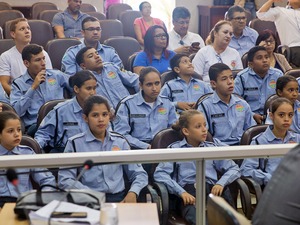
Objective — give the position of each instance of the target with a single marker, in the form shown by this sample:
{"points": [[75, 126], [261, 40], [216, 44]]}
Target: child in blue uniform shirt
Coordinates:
{"points": [[10, 138], [257, 82], [184, 90], [37, 86], [281, 113], [103, 178], [192, 126], [227, 115], [287, 87], [111, 80], [66, 120], [139, 117]]}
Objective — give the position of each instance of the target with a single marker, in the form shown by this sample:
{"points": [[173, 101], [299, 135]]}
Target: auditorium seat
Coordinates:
{"points": [[98, 15], [47, 15], [114, 10], [86, 7], [5, 6], [6, 44], [127, 18], [111, 28], [6, 15], [1, 33], [261, 25], [38, 7]]}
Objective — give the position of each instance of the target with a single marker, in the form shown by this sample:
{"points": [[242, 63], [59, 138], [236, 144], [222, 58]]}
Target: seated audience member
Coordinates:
{"points": [[287, 87], [227, 115], [139, 117], [142, 24], [11, 63], [184, 90], [281, 114], [67, 24], [244, 37], [192, 126], [182, 40], [257, 82], [10, 138], [37, 86], [91, 32], [104, 178], [65, 120], [110, 78], [155, 51], [217, 51], [268, 40]]}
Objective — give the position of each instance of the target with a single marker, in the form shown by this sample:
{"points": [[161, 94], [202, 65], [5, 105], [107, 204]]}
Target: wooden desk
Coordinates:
{"points": [[209, 16], [129, 214]]}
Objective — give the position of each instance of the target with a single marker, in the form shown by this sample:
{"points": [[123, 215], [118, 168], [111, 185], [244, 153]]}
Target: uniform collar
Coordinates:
{"points": [[4, 151], [270, 72], [90, 137], [233, 99], [99, 45], [183, 143], [27, 77], [141, 100], [77, 107], [271, 137]]}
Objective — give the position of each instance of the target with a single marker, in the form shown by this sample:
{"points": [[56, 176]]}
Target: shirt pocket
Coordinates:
{"points": [[251, 94], [70, 129], [220, 126]]}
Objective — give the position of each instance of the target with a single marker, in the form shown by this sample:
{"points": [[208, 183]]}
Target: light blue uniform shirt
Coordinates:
{"points": [[103, 178], [227, 122], [3, 96], [27, 101], [162, 64], [177, 90], [255, 168], [296, 118], [65, 120], [107, 53], [245, 42], [139, 122], [43, 178], [111, 83], [254, 89], [186, 171], [72, 27]]}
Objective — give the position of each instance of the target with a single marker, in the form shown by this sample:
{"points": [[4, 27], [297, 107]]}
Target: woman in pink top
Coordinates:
{"points": [[142, 24]]}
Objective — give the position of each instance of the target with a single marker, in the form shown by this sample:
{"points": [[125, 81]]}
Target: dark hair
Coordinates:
{"points": [[264, 35], [149, 42], [29, 50], [13, 24], [175, 60], [216, 69], [278, 102], [79, 55], [145, 71], [253, 51], [141, 5], [88, 19], [80, 77], [6, 115], [232, 10], [211, 37], [283, 81], [180, 12], [93, 100], [184, 120]]}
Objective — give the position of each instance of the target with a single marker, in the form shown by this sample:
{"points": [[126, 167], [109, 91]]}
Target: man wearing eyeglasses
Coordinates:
{"points": [[244, 37], [181, 40], [91, 32], [68, 23]]}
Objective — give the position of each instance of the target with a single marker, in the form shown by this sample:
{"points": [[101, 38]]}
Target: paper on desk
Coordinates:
{"points": [[41, 216]]}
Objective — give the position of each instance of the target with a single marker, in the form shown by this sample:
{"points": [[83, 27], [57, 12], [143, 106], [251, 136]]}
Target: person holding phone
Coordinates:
{"points": [[181, 40]]}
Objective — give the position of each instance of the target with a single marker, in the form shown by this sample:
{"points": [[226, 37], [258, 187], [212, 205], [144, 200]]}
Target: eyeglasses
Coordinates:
{"points": [[160, 36], [239, 18], [183, 22], [270, 41], [93, 29]]}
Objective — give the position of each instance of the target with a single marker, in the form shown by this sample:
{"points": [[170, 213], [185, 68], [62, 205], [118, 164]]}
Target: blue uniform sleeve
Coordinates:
{"points": [[238, 86], [230, 170], [137, 176], [163, 173], [44, 178], [172, 115], [68, 63], [129, 79], [249, 120]]}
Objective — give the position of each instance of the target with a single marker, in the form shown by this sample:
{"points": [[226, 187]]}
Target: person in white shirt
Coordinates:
{"points": [[181, 40], [11, 62], [217, 51]]}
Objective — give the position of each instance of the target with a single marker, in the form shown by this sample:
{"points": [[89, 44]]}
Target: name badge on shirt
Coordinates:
{"points": [[137, 115], [251, 89], [177, 91], [70, 123], [218, 115]]}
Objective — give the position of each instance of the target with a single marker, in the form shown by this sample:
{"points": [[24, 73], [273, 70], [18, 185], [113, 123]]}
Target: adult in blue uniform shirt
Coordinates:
{"points": [[37, 86], [67, 24], [257, 82], [139, 117], [66, 120], [110, 78], [244, 37], [91, 32]]}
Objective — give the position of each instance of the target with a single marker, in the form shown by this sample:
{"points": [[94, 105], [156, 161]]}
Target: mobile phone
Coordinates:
{"points": [[195, 44], [69, 215]]}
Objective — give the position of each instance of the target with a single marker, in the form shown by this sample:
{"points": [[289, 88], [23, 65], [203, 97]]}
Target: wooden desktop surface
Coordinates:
{"points": [[129, 214]]}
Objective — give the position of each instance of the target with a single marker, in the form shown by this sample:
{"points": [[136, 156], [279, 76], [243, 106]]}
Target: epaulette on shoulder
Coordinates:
{"points": [[76, 136]]}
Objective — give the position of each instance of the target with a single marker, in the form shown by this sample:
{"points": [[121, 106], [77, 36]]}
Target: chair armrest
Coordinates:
{"points": [[253, 186], [163, 194]]}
